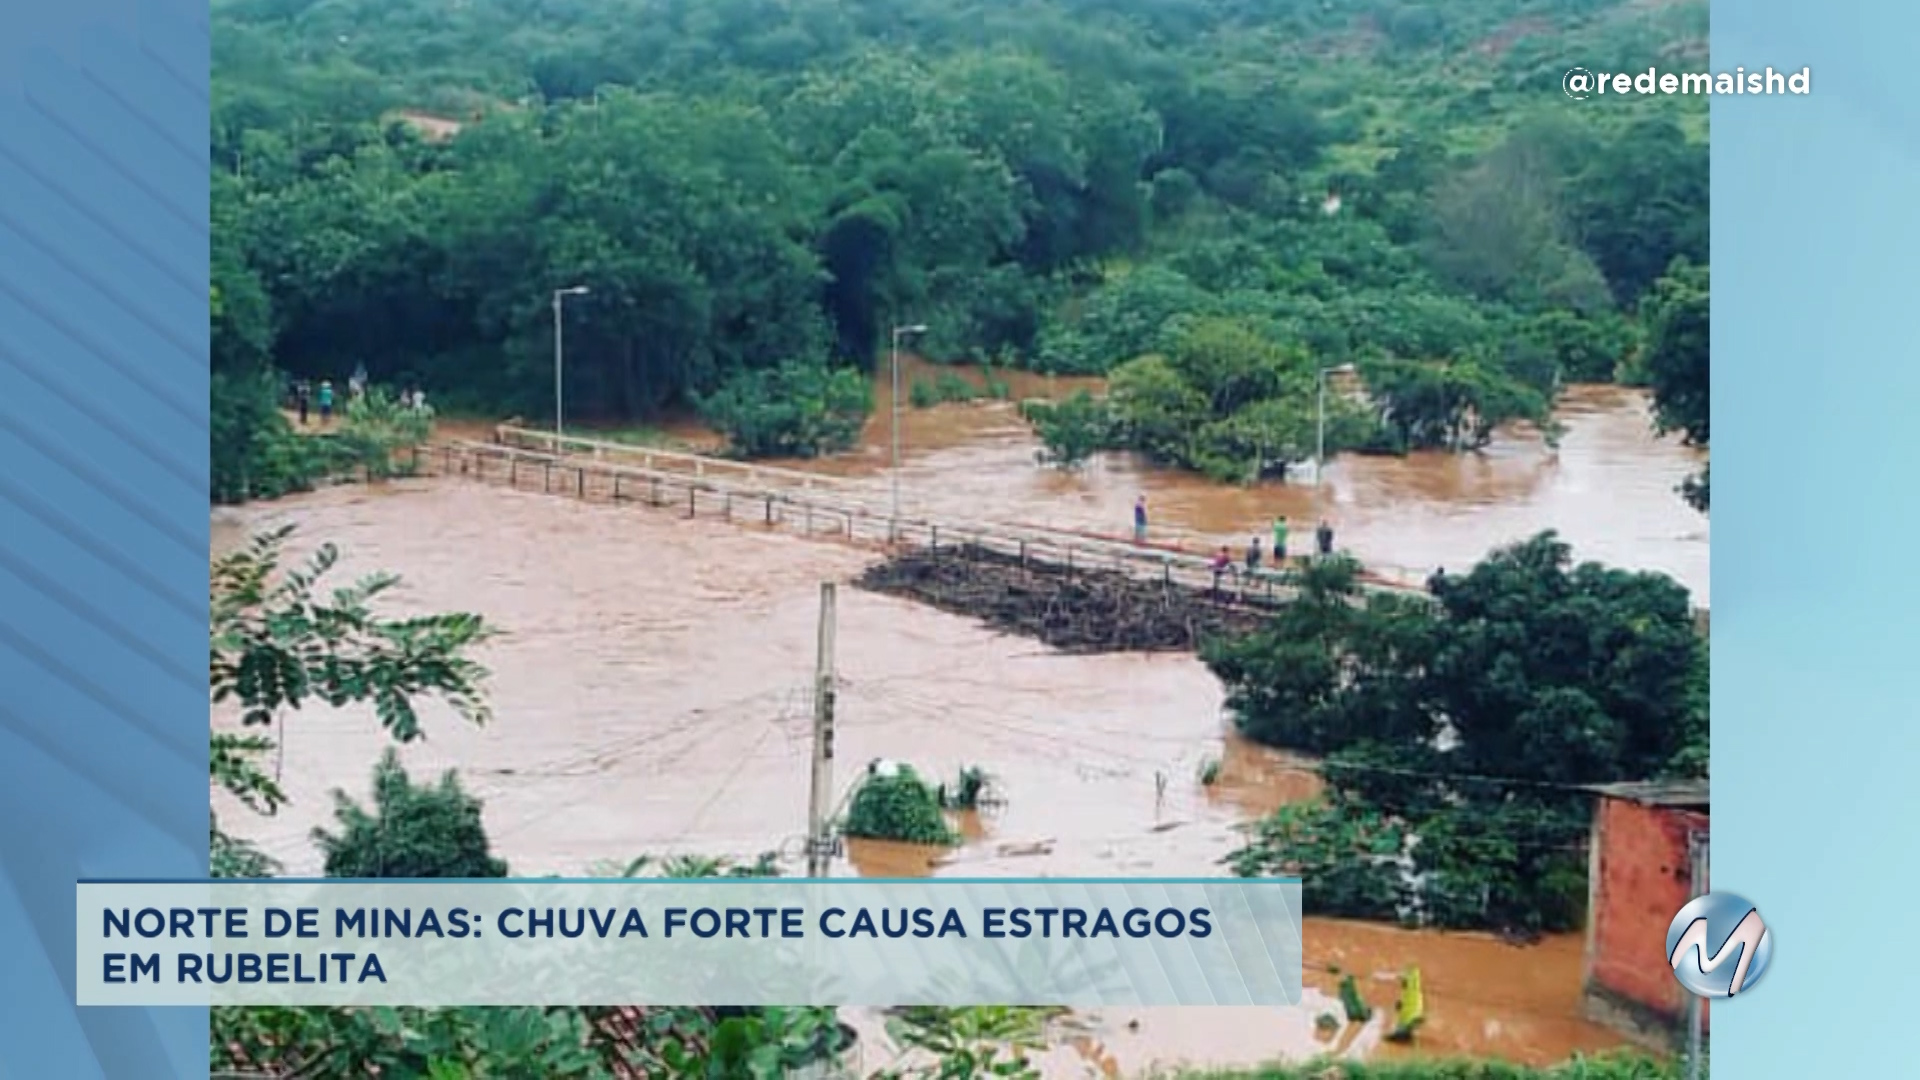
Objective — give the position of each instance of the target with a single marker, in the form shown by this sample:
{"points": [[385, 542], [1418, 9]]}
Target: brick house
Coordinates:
{"points": [[1640, 875]]}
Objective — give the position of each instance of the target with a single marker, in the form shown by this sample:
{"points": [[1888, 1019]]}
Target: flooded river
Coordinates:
{"points": [[1608, 489], [651, 694]]}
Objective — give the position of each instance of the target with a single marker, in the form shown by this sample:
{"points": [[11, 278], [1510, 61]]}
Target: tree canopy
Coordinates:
{"points": [[1459, 732], [413, 831], [749, 188], [1679, 361]]}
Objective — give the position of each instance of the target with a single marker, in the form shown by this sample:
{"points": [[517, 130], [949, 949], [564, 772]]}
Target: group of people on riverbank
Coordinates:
{"points": [[306, 396]]}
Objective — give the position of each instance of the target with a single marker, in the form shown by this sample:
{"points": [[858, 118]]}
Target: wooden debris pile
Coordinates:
{"points": [[1075, 610]]}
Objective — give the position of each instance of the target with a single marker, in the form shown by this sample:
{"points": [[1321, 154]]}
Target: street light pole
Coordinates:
{"points": [[893, 524], [1320, 428], [559, 360]]}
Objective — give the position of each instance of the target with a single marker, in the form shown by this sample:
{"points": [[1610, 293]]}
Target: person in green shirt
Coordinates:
{"points": [[1280, 540]]}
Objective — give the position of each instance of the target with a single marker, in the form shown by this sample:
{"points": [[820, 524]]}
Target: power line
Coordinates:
{"points": [[725, 784], [1320, 768]]}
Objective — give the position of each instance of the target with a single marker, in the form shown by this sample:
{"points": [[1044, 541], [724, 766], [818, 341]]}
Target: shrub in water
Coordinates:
{"points": [[894, 803], [965, 793]]}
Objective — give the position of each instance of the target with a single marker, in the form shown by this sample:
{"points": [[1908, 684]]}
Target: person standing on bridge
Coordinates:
{"points": [[1222, 563], [1280, 542], [1323, 536], [1253, 556], [1140, 520]]}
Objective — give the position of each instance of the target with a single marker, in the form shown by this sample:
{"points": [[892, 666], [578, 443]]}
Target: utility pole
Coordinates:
{"points": [[819, 827], [1697, 855]]}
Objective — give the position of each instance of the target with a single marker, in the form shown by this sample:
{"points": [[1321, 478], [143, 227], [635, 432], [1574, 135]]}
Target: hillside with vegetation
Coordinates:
{"points": [[1210, 201]]}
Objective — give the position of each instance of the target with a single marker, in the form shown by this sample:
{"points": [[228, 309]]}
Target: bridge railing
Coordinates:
{"points": [[827, 514], [700, 466], [1190, 552], [833, 511]]}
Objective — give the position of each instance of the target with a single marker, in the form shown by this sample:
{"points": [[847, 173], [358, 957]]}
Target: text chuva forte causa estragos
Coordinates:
{"points": [[373, 924]]}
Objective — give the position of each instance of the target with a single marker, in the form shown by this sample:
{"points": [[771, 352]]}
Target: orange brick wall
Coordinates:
{"points": [[1642, 878]]}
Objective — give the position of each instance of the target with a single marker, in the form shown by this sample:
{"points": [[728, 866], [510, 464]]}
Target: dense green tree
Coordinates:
{"points": [[1453, 405], [1679, 360], [412, 831], [794, 410], [1072, 430], [745, 186], [1458, 733], [1641, 204]]}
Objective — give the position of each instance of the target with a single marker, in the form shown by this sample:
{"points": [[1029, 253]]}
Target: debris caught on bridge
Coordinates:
{"points": [[1076, 610]]}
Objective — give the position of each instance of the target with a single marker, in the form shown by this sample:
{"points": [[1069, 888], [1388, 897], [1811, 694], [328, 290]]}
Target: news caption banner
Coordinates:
{"points": [[733, 941]]}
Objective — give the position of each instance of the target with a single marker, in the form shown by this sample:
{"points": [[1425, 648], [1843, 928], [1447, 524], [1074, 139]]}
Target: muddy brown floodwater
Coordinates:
{"points": [[651, 695], [1609, 488]]}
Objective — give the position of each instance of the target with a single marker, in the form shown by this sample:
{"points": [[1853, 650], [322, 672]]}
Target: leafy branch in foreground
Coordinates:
{"points": [[988, 1040], [275, 642]]}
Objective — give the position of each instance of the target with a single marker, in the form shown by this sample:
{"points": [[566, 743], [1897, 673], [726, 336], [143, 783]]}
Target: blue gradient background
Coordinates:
{"points": [[103, 522], [103, 507], [1816, 245]]}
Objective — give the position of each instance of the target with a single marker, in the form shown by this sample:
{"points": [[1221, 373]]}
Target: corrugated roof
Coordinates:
{"points": [[1680, 794]]}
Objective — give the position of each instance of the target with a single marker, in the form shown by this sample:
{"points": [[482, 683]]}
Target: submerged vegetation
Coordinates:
{"points": [[894, 803]]}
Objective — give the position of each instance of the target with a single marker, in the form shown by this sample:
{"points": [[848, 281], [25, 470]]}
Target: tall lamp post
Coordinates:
{"points": [[1320, 443], [899, 332], [559, 358]]}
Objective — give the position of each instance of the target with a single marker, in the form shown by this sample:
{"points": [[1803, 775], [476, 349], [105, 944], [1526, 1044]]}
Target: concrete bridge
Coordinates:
{"points": [[818, 507], [824, 507]]}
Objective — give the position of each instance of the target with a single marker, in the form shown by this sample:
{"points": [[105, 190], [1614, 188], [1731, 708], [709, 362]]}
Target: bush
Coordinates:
{"points": [[965, 792], [951, 387], [798, 409], [1073, 430], [377, 426], [413, 832], [946, 387], [254, 452], [894, 803], [231, 857]]}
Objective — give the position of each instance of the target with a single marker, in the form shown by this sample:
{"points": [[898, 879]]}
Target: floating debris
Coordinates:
{"points": [[1073, 609]]}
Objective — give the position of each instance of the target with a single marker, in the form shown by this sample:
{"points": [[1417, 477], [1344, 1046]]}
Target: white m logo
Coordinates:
{"points": [[1745, 936]]}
